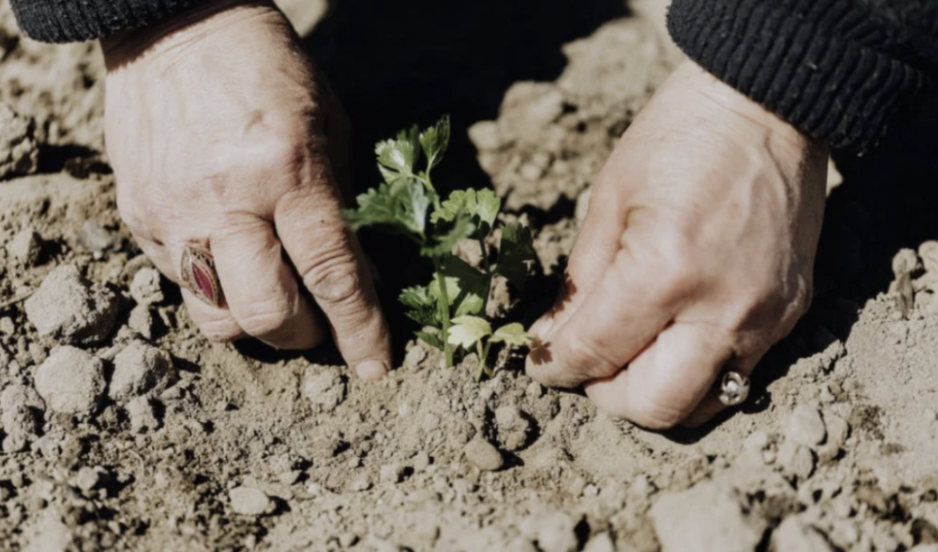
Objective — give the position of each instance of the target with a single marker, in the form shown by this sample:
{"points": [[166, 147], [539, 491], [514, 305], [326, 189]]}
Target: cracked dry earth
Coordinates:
{"points": [[124, 429]]}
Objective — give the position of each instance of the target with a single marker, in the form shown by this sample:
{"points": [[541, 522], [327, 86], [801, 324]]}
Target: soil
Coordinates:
{"points": [[124, 429]]}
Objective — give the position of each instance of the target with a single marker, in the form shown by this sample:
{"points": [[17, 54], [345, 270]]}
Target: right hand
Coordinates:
{"points": [[215, 130]]}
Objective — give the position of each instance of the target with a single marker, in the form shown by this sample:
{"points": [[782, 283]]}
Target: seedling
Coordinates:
{"points": [[453, 304]]}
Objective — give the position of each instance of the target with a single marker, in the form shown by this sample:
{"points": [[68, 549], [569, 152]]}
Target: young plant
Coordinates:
{"points": [[407, 203]]}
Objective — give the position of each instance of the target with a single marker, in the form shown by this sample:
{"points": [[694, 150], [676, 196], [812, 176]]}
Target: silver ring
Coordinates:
{"points": [[734, 388]]}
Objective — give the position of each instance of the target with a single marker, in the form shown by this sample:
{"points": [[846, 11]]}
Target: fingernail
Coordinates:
{"points": [[541, 328], [371, 370]]}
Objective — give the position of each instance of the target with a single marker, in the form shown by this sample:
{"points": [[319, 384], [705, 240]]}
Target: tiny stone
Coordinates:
{"points": [[94, 237], [248, 501], [483, 455], [421, 461], [838, 430], [556, 532], [6, 326], [25, 247], [600, 543], [291, 477], [415, 355], [89, 478], [805, 426], [71, 381], [68, 307], [513, 426], [142, 415], [795, 535], [392, 473], [146, 288], [19, 149], [928, 251], [326, 388], [795, 460], [141, 321], [140, 369]]}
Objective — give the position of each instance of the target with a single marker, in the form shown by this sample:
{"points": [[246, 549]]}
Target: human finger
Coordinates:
{"points": [[261, 289], [331, 265], [666, 382], [622, 314]]}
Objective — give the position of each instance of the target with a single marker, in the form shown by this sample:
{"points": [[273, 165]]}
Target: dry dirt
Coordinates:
{"points": [[124, 429]]}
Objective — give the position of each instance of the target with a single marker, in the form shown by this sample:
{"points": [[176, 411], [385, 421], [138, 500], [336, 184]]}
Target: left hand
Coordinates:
{"points": [[697, 251]]}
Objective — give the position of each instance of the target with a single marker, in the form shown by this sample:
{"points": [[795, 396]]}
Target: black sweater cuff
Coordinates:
{"points": [[76, 20], [826, 66]]}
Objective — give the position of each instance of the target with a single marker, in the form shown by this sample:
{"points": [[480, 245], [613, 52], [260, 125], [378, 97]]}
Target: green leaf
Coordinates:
{"points": [[444, 240], [399, 154], [423, 307], [401, 204], [435, 140], [517, 248], [466, 287], [482, 205], [430, 339], [466, 331], [512, 334]]}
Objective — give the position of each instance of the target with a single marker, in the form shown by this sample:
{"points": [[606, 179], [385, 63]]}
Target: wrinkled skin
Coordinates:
{"points": [[215, 127], [697, 253]]}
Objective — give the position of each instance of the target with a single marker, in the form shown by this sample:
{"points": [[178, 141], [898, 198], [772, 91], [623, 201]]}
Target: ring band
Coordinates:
{"points": [[734, 388], [198, 275]]}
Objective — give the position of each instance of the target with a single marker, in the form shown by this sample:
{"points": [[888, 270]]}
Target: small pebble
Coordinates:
{"points": [[795, 460], [248, 501], [325, 388], [483, 455], [25, 247], [71, 381], [140, 369], [146, 287], [805, 426]]}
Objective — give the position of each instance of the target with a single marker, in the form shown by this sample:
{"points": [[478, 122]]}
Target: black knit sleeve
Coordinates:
{"points": [[76, 20], [836, 69]]}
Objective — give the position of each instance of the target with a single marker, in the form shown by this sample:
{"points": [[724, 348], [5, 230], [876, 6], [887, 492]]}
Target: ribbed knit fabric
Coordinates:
{"points": [[76, 20], [835, 69]]}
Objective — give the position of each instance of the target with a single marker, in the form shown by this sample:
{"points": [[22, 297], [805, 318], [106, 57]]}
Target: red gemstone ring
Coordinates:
{"points": [[197, 271]]}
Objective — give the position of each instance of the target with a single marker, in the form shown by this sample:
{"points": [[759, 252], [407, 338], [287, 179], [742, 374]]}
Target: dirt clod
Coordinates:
{"points": [[140, 369], [325, 388], [25, 247], [708, 516], [483, 455], [794, 535], [19, 150], [248, 501], [146, 287], [514, 428], [142, 415], [71, 309], [805, 426], [71, 381]]}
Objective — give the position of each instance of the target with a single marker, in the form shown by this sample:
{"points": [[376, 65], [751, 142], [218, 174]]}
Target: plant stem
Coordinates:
{"points": [[483, 359], [444, 311], [485, 256]]}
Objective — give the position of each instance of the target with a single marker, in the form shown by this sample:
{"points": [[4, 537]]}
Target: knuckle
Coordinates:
{"points": [[585, 357], [654, 415], [220, 329], [334, 279], [262, 318]]}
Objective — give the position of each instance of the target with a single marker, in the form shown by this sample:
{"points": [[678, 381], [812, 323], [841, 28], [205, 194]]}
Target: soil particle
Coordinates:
{"points": [[49, 534], [95, 237], [140, 369], [248, 501], [71, 381], [600, 543], [19, 149], [141, 321], [805, 426], [146, 287], [793, 535], [553, 531], [324, 387], [25, 247], [708, 516], [70, 308], [513, 426], [795, 460], [21, 424], [89, 478], [142, 415], [483, 455]]}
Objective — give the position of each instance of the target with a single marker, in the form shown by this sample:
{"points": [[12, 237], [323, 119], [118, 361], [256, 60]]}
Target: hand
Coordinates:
{"points": [[215, 129], [697, 251]]}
